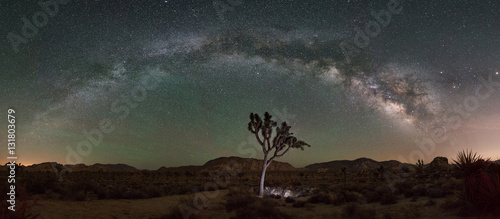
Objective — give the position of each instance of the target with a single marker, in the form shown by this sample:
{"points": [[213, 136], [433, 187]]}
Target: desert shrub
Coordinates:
{"points": [[237, 202], [354, 187], [275, 196], [372, 196], [117, 192], [419, 190], [246, 213], [100, 192], [343, 197], [135, 194], [267, 207], [435, 193], [453, 203], [414, 199], [430, 202], [152, 191], [299, 204], [78, 196], [452, 185], [263, 208], [289, 200], [184, 209], [350, 209], [403, 186], [407, 212], [388, 199], [376, 194], [40, 185], [408, 193], [353, 210], [237, 191], [320, 198]]}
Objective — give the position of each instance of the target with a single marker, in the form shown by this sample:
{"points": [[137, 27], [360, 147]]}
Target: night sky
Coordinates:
{"points": [[177, 80]]}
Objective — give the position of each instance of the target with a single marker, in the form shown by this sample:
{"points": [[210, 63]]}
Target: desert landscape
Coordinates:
{"points": [[227, 188], [160, 109]]}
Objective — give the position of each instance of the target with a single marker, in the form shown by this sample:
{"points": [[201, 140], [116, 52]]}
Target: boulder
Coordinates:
{"points": [[439, 164]]}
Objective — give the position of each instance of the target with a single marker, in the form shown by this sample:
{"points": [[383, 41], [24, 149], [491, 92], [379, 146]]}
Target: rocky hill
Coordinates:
{"points": [[247, 164], [53, 166], [359, 164]]}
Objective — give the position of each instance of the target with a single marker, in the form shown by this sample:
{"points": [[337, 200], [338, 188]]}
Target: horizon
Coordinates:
{"points": [[450, 161], [165, 83]]}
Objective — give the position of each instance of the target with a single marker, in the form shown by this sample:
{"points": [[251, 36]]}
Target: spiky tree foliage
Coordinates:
{"points": [[481, 182], [274, 145], [420, 165], [470, 163], [471, 166], [488, 195]]}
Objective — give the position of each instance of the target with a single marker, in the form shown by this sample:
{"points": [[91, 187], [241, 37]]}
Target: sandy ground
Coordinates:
{"points": [[141, 208], [155, 207]]}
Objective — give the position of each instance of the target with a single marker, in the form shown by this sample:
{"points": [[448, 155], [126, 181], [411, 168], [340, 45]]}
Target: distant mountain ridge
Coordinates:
{"points": [[225, 163], [358, 164], [53, 166]]}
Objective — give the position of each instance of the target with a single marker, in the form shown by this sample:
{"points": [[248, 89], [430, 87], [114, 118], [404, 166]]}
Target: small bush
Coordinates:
{"points": [[408, 193], [353, 210], [275, 196], [79, 196], [246, 213], [264, 208], [320, 198], [343, 197], [372, 197], [299, 204], [435, 193], [430, 202], [414, 199], [237, 202], [419, 190], [388, 199], [404, 186], [184, 208], [289, 200]]}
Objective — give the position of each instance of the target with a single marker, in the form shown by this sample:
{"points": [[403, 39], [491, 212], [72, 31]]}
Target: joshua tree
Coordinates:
{"points": [[345, 175], [420, 165], [381, 172], [280, 142]]}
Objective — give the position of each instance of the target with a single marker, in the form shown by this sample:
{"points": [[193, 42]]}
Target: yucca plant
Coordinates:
{"points": [[481, 182], [488, 196], [471, 166]]}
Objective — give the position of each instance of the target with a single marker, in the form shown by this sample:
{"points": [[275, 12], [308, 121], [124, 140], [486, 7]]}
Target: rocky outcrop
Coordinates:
{"points": [[439, 164]]}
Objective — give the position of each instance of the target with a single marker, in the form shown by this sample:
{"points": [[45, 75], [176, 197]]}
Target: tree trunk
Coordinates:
{"points": [[262, 177]]}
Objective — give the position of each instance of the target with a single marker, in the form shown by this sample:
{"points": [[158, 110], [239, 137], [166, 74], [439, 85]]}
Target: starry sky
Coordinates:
{"points": [[171, 83]]}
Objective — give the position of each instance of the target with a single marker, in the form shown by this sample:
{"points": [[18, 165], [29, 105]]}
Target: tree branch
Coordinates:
{"points": [[284, 152], [260, 141]]}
